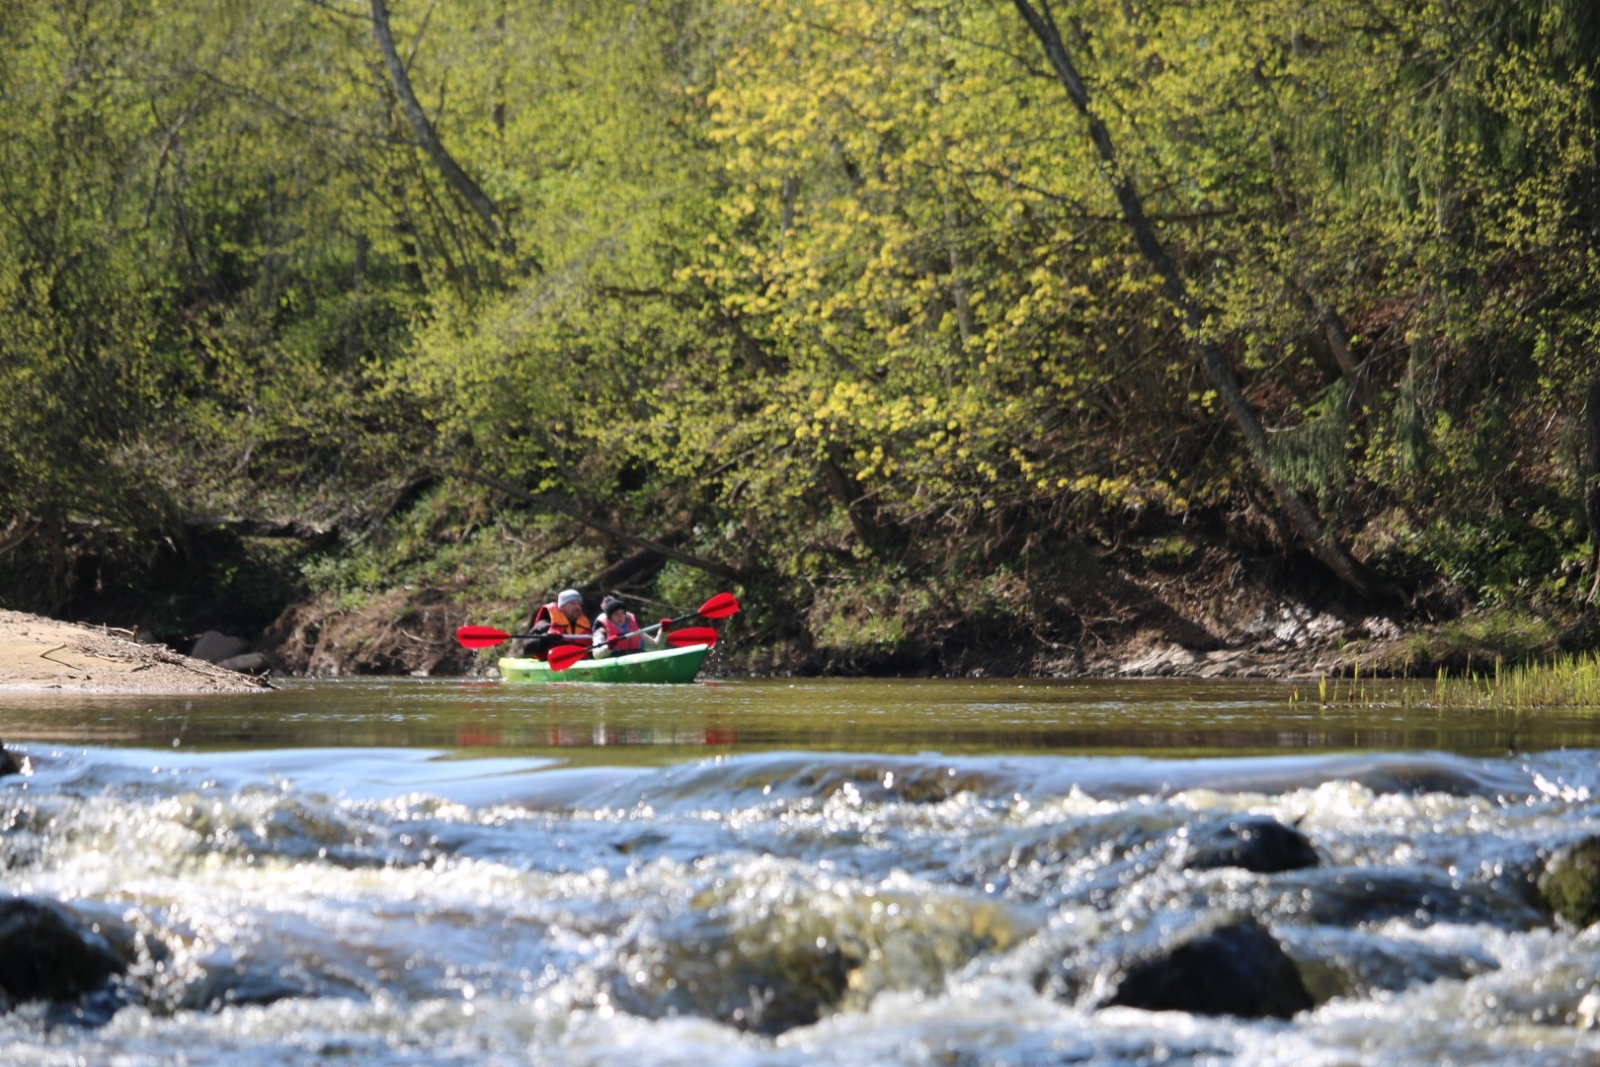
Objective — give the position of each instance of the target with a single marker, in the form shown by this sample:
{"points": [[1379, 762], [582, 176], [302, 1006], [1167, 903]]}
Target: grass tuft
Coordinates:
{"points": [[1568, 682]]}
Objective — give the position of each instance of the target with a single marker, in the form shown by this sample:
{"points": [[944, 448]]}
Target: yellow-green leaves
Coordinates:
{"points": [[785, 277]]}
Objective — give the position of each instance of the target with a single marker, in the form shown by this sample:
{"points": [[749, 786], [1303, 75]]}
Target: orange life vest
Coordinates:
{"points": [[559, 623], [617, 636]]}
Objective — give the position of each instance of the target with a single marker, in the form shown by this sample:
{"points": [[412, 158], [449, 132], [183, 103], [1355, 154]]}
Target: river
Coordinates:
{"points": [[811, 871]]}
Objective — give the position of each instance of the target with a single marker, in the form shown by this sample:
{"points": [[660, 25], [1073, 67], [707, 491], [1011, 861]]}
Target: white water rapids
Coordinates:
{"points": [[392, 906]]}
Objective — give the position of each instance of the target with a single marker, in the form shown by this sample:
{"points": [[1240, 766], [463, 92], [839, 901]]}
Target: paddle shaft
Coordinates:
{"points": [[501, 635], [653, 627], [719, 606], [566, 660]]}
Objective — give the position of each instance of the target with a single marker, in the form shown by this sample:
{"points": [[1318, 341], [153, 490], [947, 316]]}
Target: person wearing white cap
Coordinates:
{"points": [[554, 621]]}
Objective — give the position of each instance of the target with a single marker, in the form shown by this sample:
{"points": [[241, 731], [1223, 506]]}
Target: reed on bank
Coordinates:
{"points": [[1570, 681]]}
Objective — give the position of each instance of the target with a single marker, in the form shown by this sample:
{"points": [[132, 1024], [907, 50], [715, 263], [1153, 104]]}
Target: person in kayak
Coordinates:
{"points": [[617, 632], [561, 621]]}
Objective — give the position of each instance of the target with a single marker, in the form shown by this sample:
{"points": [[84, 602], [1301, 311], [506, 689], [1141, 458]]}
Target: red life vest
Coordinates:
{"points": [[617, 637]]}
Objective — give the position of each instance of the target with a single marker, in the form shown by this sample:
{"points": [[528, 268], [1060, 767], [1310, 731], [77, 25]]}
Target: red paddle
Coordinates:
{"points": [[488, 636], [692, 635], [563, 656], [483, 636], [718, 607]]}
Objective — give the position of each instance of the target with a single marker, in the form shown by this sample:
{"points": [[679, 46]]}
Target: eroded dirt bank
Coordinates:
{"points": [[38, 654], [1091, 613]]}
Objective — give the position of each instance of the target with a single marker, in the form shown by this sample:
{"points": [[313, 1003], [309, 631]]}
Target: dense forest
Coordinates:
{"points": [[938, 329]]}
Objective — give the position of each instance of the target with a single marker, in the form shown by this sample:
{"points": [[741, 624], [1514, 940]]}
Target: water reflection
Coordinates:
{"points": [[662, 724], [599, 735]]}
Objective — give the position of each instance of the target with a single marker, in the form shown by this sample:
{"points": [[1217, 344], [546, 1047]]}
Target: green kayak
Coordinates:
{"points": [[667, 665]]}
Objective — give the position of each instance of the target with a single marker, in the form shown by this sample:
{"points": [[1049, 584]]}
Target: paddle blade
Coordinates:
{"points": [[719, 607], [692, 635], [480, 636], [563, 656]]}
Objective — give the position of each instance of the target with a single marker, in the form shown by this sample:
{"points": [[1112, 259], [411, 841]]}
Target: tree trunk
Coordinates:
{"points": [[1304, 518], [1591, 477], [443, 161], [846, 493]]}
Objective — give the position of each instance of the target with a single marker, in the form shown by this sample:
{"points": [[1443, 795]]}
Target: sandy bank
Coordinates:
{"points": [[38, 654]]}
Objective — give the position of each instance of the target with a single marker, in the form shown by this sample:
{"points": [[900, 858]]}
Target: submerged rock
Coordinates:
{"points": [[1349, 896], [47, 953], [1334, 962], [8, 763], [219, 984], [1236, 969], [1570, 883], [1254, 843], [767, 950], [766, 988]]}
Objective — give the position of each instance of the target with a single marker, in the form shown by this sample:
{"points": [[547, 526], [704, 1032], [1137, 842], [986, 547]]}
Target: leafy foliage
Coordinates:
{"points": [[830, 293]]}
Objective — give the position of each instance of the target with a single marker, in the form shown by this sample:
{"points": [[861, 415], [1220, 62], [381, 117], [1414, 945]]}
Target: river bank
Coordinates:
{"points": [[411, 632], [39, 654], [1083, 613], [1233, 617]]}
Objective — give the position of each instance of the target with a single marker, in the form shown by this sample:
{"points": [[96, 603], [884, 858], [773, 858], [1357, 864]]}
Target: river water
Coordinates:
{"points": [[777, 872]]}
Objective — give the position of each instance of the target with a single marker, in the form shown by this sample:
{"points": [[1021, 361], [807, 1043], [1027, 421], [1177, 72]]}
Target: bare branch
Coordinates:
{"points": [[443, 161]]}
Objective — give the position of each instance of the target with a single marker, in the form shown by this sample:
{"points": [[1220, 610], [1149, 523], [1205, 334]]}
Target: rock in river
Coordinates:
{"points": [[1570, 884], [248, 663], [47, 953], [1253, 843], [1235, 969], [214, 647]]}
